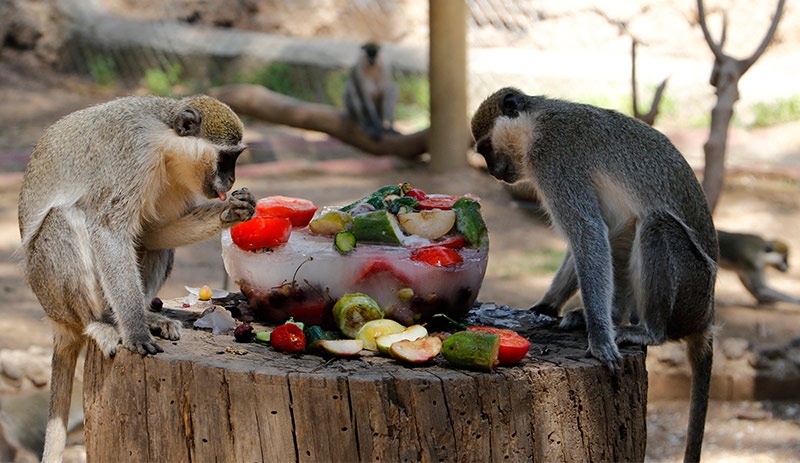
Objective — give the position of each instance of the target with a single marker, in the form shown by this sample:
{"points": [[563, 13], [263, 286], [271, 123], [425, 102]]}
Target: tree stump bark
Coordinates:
{"points": [[207, 398]]}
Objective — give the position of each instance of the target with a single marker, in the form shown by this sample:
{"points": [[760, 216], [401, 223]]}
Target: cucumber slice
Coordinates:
{"points": [[344, 242], [353, 310], [315, 334], [379, 227], [472, 349], [330, 223]]}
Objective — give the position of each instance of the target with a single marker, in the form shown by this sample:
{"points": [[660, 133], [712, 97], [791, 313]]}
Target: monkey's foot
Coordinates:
{"points": [[105, 335], [143, 343], [545, 309], [573, 321], [607, 354], [163, 327]]}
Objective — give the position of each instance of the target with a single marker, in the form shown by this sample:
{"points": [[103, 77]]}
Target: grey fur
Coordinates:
{"points": [[108, 193], [370, 94], [642, 244]]}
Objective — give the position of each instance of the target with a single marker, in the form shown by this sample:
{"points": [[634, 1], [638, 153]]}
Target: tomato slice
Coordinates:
{"points": [[513, 346], [438, 256], [288, 338], [453, 242], [380, 266], [437, 202], [416, 194], [299, 211], [261, 232]]}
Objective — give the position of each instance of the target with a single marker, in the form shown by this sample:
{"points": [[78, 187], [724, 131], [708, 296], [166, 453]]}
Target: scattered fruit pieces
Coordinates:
{"points": [[204, 294], [375, 328], [342, 347], [413, 332], [244, 333], [421, 350], [288, 337], [344, 242], [513, 346], [470, 349], [353, 310]]}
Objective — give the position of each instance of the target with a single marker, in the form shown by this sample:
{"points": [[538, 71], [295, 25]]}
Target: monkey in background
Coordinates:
{"points": [[620, 193], [107, 195], [370, 94], [748, 255]]}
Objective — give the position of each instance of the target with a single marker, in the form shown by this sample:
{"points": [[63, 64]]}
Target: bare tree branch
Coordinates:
{"points": [[767, 38], [648, 118], [715, 47], [263, 104]]}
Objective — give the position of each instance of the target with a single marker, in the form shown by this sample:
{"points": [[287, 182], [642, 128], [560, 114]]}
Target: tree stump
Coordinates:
{"points": [[208, 398]]}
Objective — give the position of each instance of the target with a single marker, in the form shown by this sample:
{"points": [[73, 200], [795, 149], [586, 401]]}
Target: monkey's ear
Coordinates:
{"points": [[187, 123], [510, 104]]}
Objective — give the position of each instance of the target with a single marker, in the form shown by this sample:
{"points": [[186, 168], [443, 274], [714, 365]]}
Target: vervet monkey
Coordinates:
{"points": [[370, 93], [108, 193], [618, 191], [748, 255]]}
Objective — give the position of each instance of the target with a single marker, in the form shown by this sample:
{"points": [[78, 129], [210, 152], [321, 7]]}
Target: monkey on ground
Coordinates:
{"points": [[639, 231], [748, 255], [107, 195], [370, 94]]}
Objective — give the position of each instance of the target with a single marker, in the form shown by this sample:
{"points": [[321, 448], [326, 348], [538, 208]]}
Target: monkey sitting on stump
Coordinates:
{"points": [[619, 192], [370, 94], [749, 255], [107, 195]]}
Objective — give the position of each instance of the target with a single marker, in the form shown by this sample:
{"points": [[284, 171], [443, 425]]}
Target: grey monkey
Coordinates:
{"points": [[749, 255], [107, 195], [370, 94], [639, 231]]}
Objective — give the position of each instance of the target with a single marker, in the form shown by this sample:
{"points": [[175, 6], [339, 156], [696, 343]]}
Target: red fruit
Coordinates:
{"points": [[244, 333], [314, 312], [288, 338], [437, 202], [380, 266], [261, 232], [513, 346], [416, 194], [299, 211], [438, 256], [453, 242]]}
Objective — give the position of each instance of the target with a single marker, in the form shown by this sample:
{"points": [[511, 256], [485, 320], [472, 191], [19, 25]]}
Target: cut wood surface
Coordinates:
{"points": [[208, 398]]}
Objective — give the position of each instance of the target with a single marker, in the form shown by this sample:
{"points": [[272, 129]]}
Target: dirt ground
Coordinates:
{"points": [[761, 196]]}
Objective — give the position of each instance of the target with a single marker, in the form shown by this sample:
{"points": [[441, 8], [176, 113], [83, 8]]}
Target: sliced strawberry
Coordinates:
{"points": [[438, 256]]}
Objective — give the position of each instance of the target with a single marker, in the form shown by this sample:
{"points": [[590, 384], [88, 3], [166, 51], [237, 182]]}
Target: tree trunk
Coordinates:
{"points": [[208, 398], [717, 144]]}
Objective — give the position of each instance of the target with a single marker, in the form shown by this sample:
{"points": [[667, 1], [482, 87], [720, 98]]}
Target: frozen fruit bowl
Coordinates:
{"points": [[304, 277]]}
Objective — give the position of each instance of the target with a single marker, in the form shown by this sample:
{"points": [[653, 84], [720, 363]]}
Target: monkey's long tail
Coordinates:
{"points": [[66, 350], [701, 353]]}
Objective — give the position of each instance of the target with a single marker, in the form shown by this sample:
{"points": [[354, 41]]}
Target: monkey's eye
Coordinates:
{"points": [[484, 146]]}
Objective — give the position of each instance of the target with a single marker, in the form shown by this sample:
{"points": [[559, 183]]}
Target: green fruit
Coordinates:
{"points": [[374, 328], [469, 222], [471, 349], [315, 334], [344, 242], [413, 332], [375, 199], [330, 223], [262, 337], [377, 227], [353, 310]]}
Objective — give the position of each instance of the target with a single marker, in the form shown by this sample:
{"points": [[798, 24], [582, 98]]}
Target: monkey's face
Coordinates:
{"points": [[503, 134], [213, 135]]}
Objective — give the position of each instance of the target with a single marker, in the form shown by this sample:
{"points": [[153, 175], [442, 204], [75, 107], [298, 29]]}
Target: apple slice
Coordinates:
{"points": [[420, 350], [428, 224], [411, 333], [341, 347], [375, 328]]}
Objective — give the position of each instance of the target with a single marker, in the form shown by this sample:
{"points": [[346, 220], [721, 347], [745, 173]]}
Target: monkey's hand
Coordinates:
{"points": [[545, 309], [162, 326], [241, 206], [606, 352]]}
